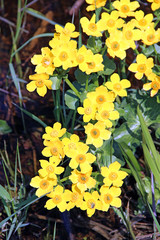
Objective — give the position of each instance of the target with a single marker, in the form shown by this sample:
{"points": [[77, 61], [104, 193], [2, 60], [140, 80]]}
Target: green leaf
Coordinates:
{"points": [[56, 82], [71, 99], [109, 66], [80, 76], [4, 127], [4, 194], [95, 44], [147, 51]]}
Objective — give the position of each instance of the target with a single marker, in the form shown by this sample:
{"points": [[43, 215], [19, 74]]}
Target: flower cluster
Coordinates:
{"points": [[85, 192]]}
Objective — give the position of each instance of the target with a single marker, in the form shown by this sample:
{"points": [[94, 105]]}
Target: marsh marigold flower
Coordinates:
{"points": [[72, 145], [106, 113], [83, 159], [143, 21], [50, 169], [112, 21], [75, 197], [110, 197], [91, 203], [150, 36], [96, 134], [95, 65], [54, 133], [44, 61], [154, 84], [82, 181], [53, 148], [40, 83], [44, 185], [88, 110], [155, 4], [116, 44], [91, 28], [118, 86], [126, 8], [94, 4], [67, 32], [142, 66], [58, 199], [83, 56], [112, 175]]}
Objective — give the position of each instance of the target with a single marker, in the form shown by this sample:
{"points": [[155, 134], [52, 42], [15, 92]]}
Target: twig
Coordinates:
{"points": [[74, 9], [12, 24]]}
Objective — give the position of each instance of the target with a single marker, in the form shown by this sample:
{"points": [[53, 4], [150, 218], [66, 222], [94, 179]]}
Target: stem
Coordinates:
{"points": [[64, 179], [153, 202], [128, 224], [72, 87]]}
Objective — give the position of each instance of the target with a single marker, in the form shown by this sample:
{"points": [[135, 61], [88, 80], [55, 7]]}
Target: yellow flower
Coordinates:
{"points": [[72, 145], [106, 113], [155, 4], [49, 169], [83, 181], [75, 197], [112, 21], [130, 34], [53, 148], [58, 199], [91, 28], [110, 196], [65, 54], [91, 203], [96, 134], [88, 110], [54, 133], [44, 185], [44, 61], [67, 32], [142, 21], [95, 65], [150, 36], [112, 175], [100, 96], [40, 83], [83, 159], [126, 8], [94, 4], [154, 85], [116, 44], [117, 86], [143, 66], [83, 56]]}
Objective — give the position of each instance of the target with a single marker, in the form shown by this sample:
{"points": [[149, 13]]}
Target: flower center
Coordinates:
{"points": [[113, 176], [81, 158], [80, 58], [91, 204], [91, 65], [151, 37], [124, 8], [110, 23], [92, 27], [74, 197], [57, 199], [83, 178], [141, 68], [39, 83], [54, 151], [50, 169], [54, 133], [115, 46], [100, 99], [95, 133], [157, 1], [142, 22], [108, 198], [72, 146], [44, 184], [105, 114], [117, 87], [88, 110], [46, 62], [129, 35], [155, 85], [63, 56]]}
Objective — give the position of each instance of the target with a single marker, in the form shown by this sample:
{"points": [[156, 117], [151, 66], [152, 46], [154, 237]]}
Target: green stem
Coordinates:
{"points": [[64, 179], [128, 224], [72, 87], [86, 87]]}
